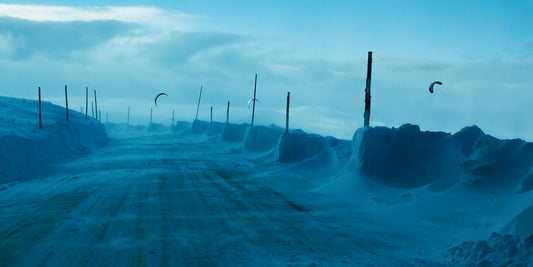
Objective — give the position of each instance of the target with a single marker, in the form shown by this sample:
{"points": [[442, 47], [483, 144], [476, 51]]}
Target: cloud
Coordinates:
{"points": [[57, 39], [131, 54]]}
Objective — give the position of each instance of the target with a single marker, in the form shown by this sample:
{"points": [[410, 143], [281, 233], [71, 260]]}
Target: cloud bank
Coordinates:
{"points": [[129, 54]]}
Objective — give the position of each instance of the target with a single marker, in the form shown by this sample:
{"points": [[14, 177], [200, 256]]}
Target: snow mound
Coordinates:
{"points": [[25, 147], [199, 127], [498, 165], [298, 146], [498, 250], [215, 128], [234, 132], [406, 157], [522, 224], [181, 126], [262, 138]]}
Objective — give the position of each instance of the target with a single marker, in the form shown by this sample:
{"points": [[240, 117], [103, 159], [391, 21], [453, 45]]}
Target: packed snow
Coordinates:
{"points": [[211, 193], [25, 147]]}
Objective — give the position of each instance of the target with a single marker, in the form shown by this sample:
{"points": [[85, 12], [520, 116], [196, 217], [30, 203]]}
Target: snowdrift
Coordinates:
{"points": [[499, 165], [215, 128], [406, 157], [498, 250], [262, 138], [181, 126], [298, 146], [199, 127], [234, 132], [25, 147]]}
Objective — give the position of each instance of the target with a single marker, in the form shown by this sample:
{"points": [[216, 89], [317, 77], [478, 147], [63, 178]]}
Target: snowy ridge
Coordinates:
{"points": [[25, 147]]}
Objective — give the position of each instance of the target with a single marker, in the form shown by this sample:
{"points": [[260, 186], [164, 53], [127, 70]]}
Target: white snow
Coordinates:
{"points": [[25, 147], [225, 194]]}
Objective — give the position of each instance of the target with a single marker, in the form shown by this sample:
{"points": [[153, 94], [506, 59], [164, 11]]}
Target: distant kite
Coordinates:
{"points": [[252, 100], [432, 84], [160, 94]]}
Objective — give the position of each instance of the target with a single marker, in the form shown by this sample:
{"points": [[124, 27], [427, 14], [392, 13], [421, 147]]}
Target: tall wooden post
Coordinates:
{"points": [[86, 102], [367, 90], [40, 113], [66, 100], [92, 108], [128, 122], [287, 113], [211, 117], [253, 100], [95, 105], [198, 107], [227, 114]]}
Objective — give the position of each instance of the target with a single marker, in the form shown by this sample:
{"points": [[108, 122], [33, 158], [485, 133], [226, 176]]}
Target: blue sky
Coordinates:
{"points": [[131, 50]]}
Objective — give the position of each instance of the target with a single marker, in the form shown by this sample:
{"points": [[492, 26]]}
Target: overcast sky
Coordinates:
{"points": [[131, 50]]}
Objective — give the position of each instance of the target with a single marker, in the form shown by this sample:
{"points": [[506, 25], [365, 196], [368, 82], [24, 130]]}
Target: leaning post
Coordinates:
{"points": [[367, 90], [287, 113], [66, 100], [95, 105], [40, 113], [253, 100]]}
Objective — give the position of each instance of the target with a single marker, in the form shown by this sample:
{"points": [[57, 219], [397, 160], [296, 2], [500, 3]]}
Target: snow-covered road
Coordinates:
{"points": [[177, 200]]}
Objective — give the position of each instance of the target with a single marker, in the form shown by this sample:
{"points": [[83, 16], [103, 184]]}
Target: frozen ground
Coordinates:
{"points": [[204, 194]]}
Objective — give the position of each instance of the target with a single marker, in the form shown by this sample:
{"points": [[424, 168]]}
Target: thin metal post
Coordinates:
{"points": [[287, 117], [253, 100], [86, 102], [40, 113], [95, 105], [367, 90], [66, 100], [227, 114], [198, 107]]}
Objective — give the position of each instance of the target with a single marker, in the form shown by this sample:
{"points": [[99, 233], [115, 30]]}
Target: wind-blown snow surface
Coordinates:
{"points": [[25, 148], [205, 193]]}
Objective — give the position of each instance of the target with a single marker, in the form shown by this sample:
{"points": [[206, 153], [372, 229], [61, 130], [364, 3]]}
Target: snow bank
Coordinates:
{"points": [[498, 250], [298, 146], [234, 132], [199, 127], [215, 128], [262, 138], [499, 165], [406, 157], [521, 225], [181, 126], [25, 148]]}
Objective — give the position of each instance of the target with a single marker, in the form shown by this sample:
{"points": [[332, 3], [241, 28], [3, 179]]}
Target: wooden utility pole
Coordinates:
{"points": [[95, 105], [66, 100], [287, 114], [92, 108], [253, 100], [367, 90], [211, 118], [40, 113], [86, 101], [227, 114], [198, 107]]}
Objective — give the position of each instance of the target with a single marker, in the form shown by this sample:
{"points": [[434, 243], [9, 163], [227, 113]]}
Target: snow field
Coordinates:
{"points": [[25, 148]]}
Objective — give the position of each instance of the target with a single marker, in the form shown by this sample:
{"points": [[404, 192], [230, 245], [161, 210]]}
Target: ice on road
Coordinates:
{"points": [[178, 200]]}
